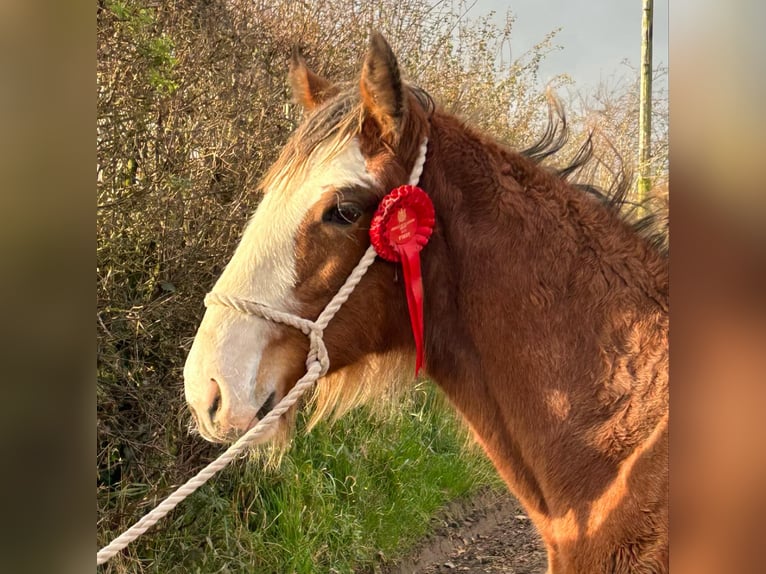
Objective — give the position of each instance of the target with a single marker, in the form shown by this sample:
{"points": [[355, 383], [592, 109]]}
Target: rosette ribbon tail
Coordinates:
{"points": [[413, 284]]}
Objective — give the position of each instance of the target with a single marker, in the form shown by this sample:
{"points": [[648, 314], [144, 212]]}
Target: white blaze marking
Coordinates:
{"points": [[228, 346]]}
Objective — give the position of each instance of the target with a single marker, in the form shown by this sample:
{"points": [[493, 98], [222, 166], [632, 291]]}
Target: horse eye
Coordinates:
{"points": [[342, 214]]}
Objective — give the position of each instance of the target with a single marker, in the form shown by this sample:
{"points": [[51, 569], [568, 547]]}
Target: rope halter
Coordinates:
{"points": [[315, 329], [317, 364]]}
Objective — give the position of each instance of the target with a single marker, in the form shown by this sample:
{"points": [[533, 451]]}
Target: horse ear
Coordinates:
{"points": [[381, 87], [309, 89]]}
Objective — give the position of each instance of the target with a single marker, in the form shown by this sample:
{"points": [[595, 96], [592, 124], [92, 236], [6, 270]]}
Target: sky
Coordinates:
{"points": [[596, 35]]}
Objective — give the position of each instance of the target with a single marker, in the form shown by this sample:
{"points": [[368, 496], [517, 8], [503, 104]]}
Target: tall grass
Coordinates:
{"points": [[346, 497]]}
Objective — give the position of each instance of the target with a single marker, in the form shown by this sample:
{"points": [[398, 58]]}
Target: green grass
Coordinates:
{"points": [[346, 497]]}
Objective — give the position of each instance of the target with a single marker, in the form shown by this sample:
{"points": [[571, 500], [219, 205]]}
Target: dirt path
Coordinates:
{"points": [[488, 534]]}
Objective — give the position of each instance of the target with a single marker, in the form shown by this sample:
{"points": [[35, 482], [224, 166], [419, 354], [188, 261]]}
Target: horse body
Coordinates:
{"points": [[554, 349], [545, 314]]}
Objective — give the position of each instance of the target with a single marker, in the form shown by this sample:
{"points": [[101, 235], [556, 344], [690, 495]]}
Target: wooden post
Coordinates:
{"points": [[645, 103]]}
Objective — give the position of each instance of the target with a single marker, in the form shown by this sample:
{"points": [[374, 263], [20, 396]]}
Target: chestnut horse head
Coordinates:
{"points": [[545, 309], [308, 233]]}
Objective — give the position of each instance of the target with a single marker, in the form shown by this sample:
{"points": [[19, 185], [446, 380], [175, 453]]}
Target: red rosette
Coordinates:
{"points": [[400, 228], [404, 216]]}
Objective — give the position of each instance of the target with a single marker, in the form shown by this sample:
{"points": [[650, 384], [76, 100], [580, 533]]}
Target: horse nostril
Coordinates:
{"points": [[266, 408], [215, 406]]}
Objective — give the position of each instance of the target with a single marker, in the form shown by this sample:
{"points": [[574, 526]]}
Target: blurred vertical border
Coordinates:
{"points": [[718, 286], [47, 222]]}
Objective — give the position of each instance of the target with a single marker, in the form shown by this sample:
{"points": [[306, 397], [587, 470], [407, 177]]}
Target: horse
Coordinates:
{"points": [[545, 310]]}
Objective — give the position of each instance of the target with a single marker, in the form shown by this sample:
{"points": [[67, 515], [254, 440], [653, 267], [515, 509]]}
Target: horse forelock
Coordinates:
{"points": [[316, 141], [327, 130]]}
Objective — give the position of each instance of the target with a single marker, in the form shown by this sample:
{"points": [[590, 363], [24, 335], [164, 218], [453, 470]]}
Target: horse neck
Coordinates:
{"points": [[535, 292]]}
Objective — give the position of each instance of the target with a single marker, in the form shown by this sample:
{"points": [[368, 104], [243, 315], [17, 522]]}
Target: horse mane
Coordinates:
{"points": [[648, 218], [325, 132]]}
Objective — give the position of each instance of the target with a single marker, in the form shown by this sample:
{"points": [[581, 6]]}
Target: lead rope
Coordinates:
{"points": [[317, 364]]}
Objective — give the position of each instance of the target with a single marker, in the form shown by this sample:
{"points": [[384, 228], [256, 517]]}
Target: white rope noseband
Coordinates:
{"points": [[317, 365]]}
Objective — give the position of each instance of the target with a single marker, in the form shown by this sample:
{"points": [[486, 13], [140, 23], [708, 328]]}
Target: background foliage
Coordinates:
{"points": [[193, 106]]}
